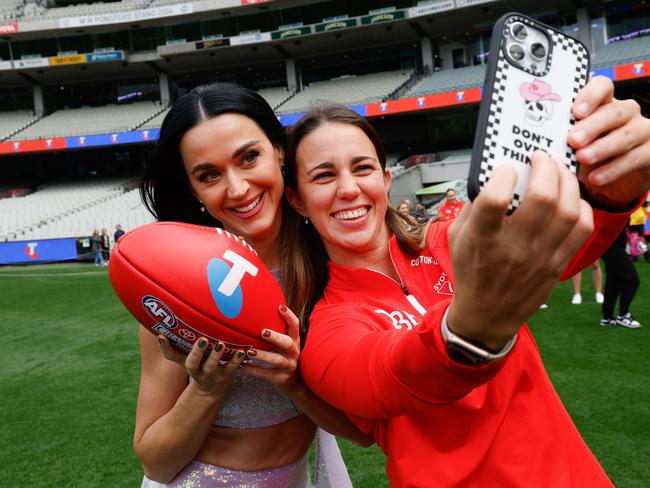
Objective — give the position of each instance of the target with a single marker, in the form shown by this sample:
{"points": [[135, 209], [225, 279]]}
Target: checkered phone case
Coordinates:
{"points": [[522, 110]]}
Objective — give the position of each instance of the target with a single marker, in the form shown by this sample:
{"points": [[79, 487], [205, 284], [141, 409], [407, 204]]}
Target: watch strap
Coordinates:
{"points": [[464, 352]]}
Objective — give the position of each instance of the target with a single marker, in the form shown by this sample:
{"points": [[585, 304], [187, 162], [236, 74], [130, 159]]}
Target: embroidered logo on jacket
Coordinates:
{"points": [[399, 318], [444, 286]]}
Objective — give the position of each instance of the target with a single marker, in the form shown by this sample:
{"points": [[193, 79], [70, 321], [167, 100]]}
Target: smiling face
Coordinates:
{"points": [[234, 170], [343, 189], [403, 208]]}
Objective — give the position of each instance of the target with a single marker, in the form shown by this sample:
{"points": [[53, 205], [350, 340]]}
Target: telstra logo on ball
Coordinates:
{"points": [[225, 282]]}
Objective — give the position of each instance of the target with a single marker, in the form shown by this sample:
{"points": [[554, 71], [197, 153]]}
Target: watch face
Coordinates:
{"points": [[461, 355]]}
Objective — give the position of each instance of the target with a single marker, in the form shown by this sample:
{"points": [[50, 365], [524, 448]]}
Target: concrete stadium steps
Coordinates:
{"points": [[13, 122], [622, 52], [349, 90], [125, 209], [91, 120], [448, 80], [20, 216]]}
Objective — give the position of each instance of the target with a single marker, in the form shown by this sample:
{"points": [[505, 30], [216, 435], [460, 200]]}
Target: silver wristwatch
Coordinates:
{"points": [[464, 352]]}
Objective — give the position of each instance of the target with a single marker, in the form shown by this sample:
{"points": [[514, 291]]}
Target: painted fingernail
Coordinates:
{"points": [[266, 333], [283, 308], [579, 136], [582, 109], [240, 354], [201, 342], [160, 340], [218, 347], [252, 353]]}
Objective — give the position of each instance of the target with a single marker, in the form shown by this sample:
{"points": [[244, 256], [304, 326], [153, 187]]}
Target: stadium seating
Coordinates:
{"points": [[10, 9], [91, 120], [158, 3], [125, 209], [275, 96], [622, 52], [349, 90], [448, 80], [12, 122], [155, 122], [22, 216], [34, 11]]}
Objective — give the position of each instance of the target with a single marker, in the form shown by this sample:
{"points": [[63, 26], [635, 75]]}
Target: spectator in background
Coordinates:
{"points": [[96, 246], [118, 232], [420, 214], [451, 208], [637, 225], [621, 279], [597, 276], [106, 245], [404, 208]]}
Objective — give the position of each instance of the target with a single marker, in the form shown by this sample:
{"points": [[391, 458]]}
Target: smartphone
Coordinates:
{"points": [[534, 73]]}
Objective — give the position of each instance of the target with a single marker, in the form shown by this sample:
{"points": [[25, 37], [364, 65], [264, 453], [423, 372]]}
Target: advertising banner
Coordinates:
{"points": [[608, 72], [383, 17], [471, 95], [335, 24], [72, 59], [431, 8], [5, 65], [105, 56], [293, 32], [631, 71], [469, 3], [31, 63], [250, 38], [213, 43], [289, 119], [8, 28], [128, 16], [38, 251], [32, 146], [112, 139]]}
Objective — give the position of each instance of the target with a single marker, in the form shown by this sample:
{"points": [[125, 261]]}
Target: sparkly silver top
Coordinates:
{"points": [[252, 402]]}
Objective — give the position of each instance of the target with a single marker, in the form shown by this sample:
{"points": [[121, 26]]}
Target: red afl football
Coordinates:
{"points": [[186, 281]]}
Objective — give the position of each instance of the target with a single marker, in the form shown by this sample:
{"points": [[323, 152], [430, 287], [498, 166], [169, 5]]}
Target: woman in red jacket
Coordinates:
{"points": [[419, 333]]}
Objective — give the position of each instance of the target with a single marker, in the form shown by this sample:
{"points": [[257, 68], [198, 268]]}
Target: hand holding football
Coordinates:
{"points": [[185, 281]]}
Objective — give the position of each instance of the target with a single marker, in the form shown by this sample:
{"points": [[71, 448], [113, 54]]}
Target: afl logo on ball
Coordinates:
{"points": [[224, 277], [158, 311]]}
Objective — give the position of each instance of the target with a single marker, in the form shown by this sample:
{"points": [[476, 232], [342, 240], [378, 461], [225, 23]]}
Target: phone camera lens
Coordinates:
{"points": [[538, 50], [516, 52], [519, 31]]}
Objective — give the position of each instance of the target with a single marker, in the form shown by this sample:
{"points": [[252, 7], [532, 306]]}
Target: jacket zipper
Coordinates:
{"points": [[411, 298]]}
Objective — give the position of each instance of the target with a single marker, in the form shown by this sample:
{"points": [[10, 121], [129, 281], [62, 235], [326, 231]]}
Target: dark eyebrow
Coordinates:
{"points": [[327, 164], [358, 159], [200, 167], [238, 152], [243, 148], [323, 165]]}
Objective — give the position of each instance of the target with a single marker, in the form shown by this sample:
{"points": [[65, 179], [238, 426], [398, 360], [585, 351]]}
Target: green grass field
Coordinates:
{"points": [[69, 371]]}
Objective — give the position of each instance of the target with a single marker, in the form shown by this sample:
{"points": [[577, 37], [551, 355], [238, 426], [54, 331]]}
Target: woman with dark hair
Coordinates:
{"points": [[418, 335], [249, 422]]}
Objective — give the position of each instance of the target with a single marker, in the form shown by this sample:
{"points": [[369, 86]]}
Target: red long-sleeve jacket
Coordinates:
{"points": [[374, 350]]}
